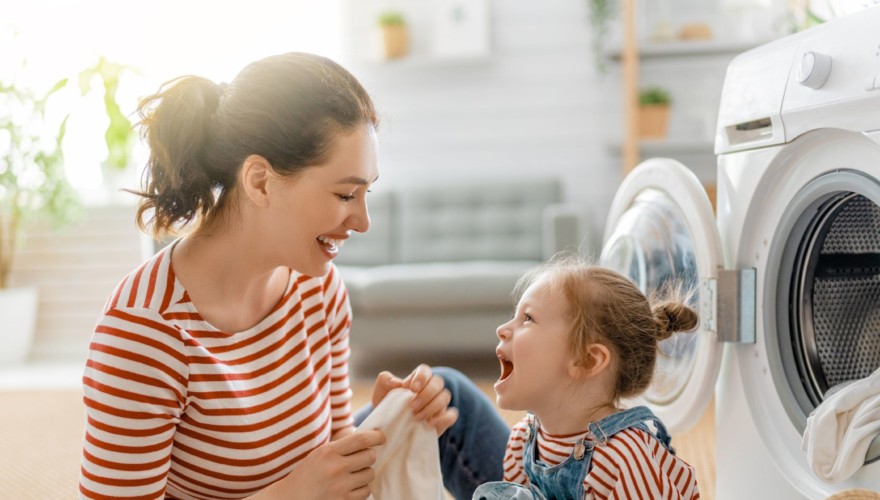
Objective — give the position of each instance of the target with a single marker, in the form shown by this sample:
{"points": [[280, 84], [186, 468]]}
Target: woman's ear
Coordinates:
{"points": [[254, 176], [597, 358]]}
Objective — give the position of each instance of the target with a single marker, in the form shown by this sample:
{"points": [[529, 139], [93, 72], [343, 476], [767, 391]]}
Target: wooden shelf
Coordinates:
{"points": [[667, 147], [418, 62], [691, 48]]}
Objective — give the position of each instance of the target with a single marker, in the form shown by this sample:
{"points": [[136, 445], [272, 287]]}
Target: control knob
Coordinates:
{"points": [[814, 70]]}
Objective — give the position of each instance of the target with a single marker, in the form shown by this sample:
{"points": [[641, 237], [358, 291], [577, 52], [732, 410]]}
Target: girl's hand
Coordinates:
{"points": [[338, 469], [430, 402]]}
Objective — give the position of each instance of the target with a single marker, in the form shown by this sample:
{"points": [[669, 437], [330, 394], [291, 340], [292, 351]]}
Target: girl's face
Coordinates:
{"points": [[314, 212], [534, 352]]}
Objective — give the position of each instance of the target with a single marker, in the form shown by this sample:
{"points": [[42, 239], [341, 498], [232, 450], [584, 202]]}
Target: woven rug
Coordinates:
{"points": [[41, 434]]}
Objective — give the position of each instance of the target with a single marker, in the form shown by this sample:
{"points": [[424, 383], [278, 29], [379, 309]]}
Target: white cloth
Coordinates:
{"points": [[408, 464], [841, 428]]}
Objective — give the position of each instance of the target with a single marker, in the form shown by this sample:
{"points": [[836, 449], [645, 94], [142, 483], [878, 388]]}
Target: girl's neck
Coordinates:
{"points": [[571, 419]]}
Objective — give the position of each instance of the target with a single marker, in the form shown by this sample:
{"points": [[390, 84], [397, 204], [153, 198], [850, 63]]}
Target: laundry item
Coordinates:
{"points": [[840, 430], [408, 464]]}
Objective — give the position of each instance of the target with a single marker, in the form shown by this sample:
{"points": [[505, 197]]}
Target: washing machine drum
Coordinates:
{"points": [[834, 315]]}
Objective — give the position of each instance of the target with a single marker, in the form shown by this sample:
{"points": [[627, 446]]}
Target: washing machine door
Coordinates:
{"points": [[661, 231]]}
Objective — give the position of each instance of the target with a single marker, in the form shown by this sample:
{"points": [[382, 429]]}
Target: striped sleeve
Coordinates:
{"points": [[135, 387], [634, 465], [514, 468], [337, 310]]}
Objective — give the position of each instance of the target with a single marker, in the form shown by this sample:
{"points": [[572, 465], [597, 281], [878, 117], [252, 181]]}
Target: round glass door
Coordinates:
{"points": [[653, 246], [661, 231]]}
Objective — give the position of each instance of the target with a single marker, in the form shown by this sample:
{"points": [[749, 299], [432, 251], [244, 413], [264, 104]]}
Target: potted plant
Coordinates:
{"points": [[654, 112], [395, 39], [33, 183]]}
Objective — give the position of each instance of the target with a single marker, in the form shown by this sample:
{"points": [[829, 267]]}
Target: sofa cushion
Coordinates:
{"points": [[488, 221], [452, 286]]}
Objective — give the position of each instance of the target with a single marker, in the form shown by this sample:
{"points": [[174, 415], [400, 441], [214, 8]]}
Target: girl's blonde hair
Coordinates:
{"points": [[607, 307]]}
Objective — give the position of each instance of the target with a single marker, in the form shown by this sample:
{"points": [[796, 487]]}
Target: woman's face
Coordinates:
{"points": [[312, 213]]}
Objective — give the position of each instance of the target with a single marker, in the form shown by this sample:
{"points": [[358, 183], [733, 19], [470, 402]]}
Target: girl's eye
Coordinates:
{"points": [[528, 317]]}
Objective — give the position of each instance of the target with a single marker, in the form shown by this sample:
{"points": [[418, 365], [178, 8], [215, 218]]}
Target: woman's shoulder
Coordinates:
{"points": [[150, 286]]}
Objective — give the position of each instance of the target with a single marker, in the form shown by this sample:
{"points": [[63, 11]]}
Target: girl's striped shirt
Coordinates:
{"points": [[631, 464], [176, 408]]}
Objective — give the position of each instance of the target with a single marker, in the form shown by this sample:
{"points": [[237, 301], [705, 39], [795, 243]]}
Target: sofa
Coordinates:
{"points": [[437, 268]]}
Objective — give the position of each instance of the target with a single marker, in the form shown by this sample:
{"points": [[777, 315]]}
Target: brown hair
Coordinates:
{"points": [[286, 108], [607, 307]]}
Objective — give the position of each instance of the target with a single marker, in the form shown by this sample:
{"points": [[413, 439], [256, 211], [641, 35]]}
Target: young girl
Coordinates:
{"points": [[219, 367], [583, 338]]}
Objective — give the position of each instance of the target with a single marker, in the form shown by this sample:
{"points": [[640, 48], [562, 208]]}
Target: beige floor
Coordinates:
{"points": [[41, 435]]}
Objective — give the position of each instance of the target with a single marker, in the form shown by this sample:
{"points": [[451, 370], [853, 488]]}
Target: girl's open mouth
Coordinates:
{"points": [[506, 366]]}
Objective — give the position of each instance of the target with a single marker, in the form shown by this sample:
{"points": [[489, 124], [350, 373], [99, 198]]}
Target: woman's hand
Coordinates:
{"points": [[430, 402], [338, 469]]}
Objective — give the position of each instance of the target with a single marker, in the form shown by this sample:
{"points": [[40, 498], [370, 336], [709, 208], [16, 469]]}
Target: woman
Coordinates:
{"points": [[219, 368]]}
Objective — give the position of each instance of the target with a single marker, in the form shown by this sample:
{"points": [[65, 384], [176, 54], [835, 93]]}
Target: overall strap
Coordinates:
{"points": [[633, 417]]}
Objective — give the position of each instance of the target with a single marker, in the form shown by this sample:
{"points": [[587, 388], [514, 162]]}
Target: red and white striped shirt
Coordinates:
{"points": [[632, 464], [176, 408]]}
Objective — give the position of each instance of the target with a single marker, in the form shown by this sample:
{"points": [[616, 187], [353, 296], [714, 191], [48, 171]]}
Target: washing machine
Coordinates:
{"points": [[786, 272]]}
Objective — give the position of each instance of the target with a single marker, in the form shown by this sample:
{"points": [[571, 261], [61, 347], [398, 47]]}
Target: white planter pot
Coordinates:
{"points": [[18, 321]]}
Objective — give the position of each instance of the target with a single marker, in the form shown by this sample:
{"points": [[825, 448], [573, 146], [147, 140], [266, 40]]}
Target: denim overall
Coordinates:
{"points": [[566, 480]]}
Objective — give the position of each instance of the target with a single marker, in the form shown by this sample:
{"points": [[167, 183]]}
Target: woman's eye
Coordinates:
{"points": [[346, 197], [527, 317]]}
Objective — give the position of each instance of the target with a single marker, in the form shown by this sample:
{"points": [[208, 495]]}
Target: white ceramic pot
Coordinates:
{"points": [[18, 321]]}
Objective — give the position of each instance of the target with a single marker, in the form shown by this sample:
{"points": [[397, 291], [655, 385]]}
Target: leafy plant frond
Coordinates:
{"points": [[392, 18], [654, 95], [599, 13]]}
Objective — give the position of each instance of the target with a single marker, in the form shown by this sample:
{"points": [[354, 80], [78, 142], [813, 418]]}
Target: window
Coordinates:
{"points": [[161, 39]]}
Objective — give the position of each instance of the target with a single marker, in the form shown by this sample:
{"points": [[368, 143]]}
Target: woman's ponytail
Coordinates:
{"points": [[177, 125]]}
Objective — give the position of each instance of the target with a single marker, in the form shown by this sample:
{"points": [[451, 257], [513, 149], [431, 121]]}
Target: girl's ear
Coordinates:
{"points": [[254, 176], [597, 358]]}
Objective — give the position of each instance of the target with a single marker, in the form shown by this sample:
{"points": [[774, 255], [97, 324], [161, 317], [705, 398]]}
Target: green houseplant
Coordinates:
{"points": [[32, 182], [32, 178], [395, 38], [654, 103], [34, 185]]}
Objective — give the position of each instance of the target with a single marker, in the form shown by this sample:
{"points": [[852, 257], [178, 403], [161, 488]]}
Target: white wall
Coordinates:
{"points": [[535, 106], [75, 270]]}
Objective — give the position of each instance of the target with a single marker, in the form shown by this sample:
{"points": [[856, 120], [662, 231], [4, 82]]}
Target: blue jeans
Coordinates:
{"points": [[472, 450]]}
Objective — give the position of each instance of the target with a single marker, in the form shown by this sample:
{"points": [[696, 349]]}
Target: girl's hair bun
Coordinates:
{"points": [[674, 317]]}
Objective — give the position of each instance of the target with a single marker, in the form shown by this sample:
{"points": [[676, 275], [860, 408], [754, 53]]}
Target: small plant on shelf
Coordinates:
{"points": [[654, 112], [395, 39]]}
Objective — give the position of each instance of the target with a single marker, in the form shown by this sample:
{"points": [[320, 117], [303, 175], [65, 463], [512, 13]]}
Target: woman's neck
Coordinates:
{"points": [[219, 270]]}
